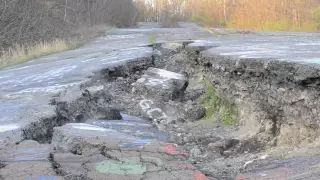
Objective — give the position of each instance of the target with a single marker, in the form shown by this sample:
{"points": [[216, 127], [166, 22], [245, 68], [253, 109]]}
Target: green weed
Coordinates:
{"points": [[153, 38], [216, 106]]}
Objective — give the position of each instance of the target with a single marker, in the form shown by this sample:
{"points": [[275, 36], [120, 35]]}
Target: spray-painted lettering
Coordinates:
{"points": [[154, 113]]}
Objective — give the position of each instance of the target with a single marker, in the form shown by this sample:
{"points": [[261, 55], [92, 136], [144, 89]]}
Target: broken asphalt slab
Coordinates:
{"points": [[27, 89]]}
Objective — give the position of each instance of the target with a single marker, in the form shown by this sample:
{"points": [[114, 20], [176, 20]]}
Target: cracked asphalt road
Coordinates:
{"points": [[26, 90]]}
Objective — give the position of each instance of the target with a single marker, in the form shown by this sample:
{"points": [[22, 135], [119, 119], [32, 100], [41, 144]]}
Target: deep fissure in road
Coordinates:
{"points": [[95, 101], [215, 108]]}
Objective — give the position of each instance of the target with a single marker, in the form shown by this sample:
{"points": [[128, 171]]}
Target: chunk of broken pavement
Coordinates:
{"points": [[108, 114], [193, 111], [165, 84], [81, 138], [27, 160], [26, 151]]}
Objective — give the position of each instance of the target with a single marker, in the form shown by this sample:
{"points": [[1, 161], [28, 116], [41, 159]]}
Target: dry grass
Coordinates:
{"points": [[21, 53]]}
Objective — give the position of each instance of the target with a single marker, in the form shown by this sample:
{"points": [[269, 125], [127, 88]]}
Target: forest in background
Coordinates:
{"points": [[33, 28], [282, 15], [28, 21]]}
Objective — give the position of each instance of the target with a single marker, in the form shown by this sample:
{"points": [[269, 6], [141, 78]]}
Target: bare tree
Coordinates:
{"points": [[25, 21]]}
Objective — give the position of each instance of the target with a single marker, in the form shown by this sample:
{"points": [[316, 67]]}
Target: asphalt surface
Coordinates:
{"points": [[26, 89]]}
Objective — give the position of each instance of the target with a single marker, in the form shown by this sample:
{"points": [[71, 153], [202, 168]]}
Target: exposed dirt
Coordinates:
{"points": [[170, 99]]}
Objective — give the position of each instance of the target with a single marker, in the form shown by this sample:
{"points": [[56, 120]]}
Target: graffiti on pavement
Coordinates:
{"points": [[132, 165], [28, 154], [200, 176], [154, 113], [138, 144], [43, 178], [124, 166], [172, 149]]}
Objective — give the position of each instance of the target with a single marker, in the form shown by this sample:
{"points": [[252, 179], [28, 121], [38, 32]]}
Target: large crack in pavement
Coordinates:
{"points": [[92, 137], [140, 120]]}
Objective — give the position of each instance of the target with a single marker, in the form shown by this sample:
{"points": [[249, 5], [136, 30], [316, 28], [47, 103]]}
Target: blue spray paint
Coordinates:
{"points": [[138, 144], [43, 178], [314, 61]]}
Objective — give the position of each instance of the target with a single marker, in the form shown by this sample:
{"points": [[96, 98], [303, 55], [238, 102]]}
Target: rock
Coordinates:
{"points": [[159, 111], [27, 160], [133, 90], [114, 72], [28, 144], [181, 174], [231, 143], [28, 171], [187, 139], [108, 114], [216, 146], [165, 84], [138, 128], [81, 138], [26, 151], [120, 78], [88, 106], [193, 112], [196, 152], [193, 94], [125, 165], [172, 112], [163, 53], [74, 165], [95, 89]]}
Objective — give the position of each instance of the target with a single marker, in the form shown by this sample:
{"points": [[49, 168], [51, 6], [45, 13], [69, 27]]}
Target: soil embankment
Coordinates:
{"points": [[172, 110]]}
